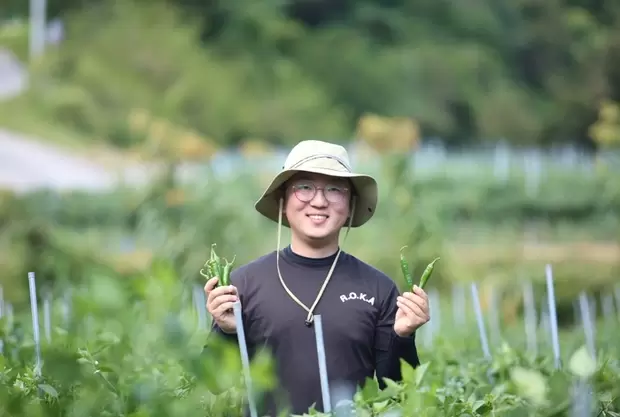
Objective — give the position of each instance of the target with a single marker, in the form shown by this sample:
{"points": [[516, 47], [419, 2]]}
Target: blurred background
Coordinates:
{"points": [[137, 131]]}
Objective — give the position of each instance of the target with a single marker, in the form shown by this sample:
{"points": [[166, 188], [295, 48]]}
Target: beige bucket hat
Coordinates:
{"points": [[325, 158]]}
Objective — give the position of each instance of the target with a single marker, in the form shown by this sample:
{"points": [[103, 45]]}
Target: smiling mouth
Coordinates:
{"points": [[317, 216]]}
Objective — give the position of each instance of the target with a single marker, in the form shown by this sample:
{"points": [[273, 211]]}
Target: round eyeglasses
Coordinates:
{"points": [[305, 192]]}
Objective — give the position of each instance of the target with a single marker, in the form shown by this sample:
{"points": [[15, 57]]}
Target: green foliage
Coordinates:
{"points": [[14, 37], [144, 56], [476, 227], [133, 347], [285, 70]]}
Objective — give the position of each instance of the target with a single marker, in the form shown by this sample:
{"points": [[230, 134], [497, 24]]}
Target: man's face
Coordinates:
{"points": [[317, 206]]}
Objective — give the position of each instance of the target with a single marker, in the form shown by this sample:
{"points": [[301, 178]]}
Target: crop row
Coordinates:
{"points": [[134, 347]]}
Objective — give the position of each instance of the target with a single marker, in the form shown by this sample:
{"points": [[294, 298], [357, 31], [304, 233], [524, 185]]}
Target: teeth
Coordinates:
{"points": [[317, 217]]}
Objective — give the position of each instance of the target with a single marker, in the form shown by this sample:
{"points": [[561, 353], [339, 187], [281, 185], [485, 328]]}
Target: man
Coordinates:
{"points": [[368, 326]]}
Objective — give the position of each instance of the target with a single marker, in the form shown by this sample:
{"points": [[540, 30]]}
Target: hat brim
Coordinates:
{"points": [[365, 188]]}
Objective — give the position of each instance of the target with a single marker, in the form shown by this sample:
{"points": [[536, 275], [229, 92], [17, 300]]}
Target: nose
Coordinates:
{"points": [[319, 199]]}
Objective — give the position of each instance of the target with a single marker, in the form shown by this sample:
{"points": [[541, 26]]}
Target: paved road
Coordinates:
{"points": [[27, 164]]}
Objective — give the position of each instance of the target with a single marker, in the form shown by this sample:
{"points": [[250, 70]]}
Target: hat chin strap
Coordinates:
{"points": [[310, 317]]}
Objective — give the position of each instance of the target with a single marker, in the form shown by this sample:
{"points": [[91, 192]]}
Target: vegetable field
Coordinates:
{"points": [[134, 348], [525, 302]]}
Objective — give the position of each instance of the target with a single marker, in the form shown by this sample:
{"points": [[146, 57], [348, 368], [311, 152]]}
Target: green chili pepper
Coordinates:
{"points": [[214, 257], [216, 262], [427, 273], [217, 267], [404, 266], [213, 270], [207, 275], [226, 271]]}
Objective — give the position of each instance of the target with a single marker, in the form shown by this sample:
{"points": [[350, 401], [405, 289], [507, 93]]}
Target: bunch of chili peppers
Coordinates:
{"points": [[217, 267], [404, 266]]}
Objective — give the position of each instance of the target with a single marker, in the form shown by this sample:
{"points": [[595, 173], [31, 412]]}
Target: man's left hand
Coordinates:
{"points": [[413, 312]]}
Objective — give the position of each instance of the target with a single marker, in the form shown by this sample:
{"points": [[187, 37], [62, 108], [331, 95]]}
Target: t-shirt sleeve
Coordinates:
{"points": [[389, 347]]}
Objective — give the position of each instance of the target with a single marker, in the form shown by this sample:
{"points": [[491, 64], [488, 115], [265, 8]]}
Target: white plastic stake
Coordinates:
{"points": [[38, 23], [586, 319], [480, 320], [200, 304], [245, 358], [320, 350], [35, 321], [582, 399], [553, 318], [435, 312], [66, 308], [458, 305], [9, 315]]}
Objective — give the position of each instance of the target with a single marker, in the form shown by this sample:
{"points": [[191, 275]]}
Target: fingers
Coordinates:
{"points": [[216, 297], [222, 308], [219, 300], [420, 292], [414, 305], [212, 292], [210, 285], [418, 296], [412, 311]]}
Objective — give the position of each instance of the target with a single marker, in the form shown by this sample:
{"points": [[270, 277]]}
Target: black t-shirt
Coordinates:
{"points": [[357, 309]]}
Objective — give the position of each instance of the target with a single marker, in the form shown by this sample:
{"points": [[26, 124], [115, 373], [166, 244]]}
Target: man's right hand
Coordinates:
{"points": [[220, 302]]}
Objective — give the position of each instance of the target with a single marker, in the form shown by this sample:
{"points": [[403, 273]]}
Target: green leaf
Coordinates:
{"points": [[49, 390], [370, 390], [582, 364], [380, 406], [105, 368], [407, 371], [482, 407], [530, 384], [391, 390], [420, 371]]}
